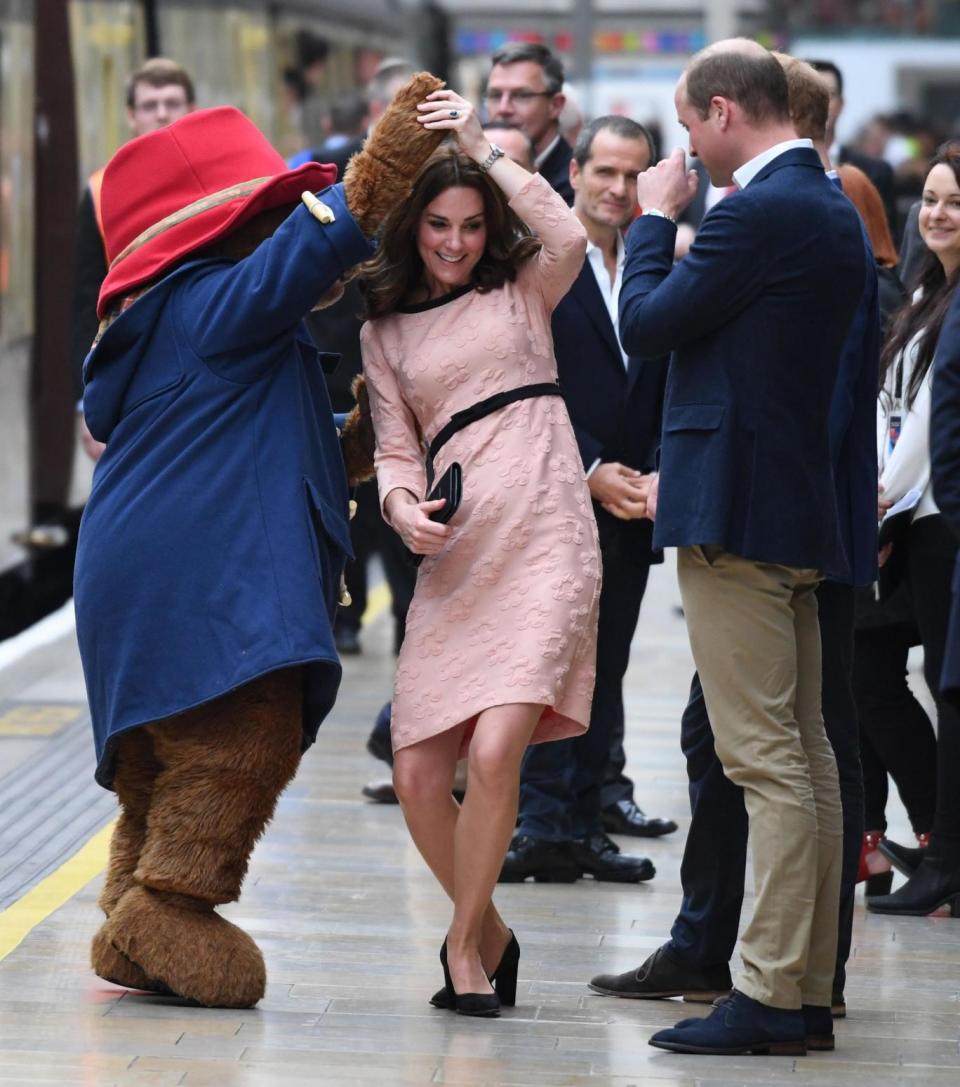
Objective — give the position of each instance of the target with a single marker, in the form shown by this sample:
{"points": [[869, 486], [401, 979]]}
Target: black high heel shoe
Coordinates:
{"points": [[482, 1005], [503, 979]]}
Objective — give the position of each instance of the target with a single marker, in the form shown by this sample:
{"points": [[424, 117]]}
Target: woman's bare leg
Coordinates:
{"points": [[423, 777], [483, 831]]}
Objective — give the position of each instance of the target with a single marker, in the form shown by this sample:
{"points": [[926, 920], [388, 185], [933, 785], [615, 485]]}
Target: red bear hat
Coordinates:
{"points": [[182, 187]]}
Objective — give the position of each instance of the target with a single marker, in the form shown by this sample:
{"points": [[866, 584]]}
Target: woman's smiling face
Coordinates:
{"points": [[939, 219], [451, 238]]}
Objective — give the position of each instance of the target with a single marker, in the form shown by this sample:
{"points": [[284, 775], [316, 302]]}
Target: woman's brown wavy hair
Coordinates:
{"points": [[392, 277], [927, 312]]}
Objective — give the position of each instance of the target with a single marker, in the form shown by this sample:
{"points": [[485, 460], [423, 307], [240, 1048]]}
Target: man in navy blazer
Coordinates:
{"points": [[615, 405], [756, 317], [694, 961]]}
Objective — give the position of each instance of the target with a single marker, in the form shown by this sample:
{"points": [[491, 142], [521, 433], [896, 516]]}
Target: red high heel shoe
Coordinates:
{"points": [[874, 868]]}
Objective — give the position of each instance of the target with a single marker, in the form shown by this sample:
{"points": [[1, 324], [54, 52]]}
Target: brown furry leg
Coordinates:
{"points": [[136, 771], [224, 766]]}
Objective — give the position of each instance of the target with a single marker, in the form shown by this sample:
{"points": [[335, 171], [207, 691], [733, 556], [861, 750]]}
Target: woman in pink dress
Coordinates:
{"points": [[500, 644]]}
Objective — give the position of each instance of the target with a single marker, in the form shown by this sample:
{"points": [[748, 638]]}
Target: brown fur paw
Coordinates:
{"points": [[381, 175], [184, 944], [109, 964], [357, 439]]}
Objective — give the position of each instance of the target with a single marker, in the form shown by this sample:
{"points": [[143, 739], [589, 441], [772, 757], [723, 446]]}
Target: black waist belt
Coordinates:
{"points": [[480, 410]]}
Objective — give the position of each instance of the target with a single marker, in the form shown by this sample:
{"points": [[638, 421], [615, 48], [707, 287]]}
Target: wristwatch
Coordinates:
{"points": [[660, 214], [496, 152]]}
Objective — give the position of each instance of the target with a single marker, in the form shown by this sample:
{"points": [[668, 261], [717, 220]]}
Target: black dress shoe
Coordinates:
{"points": [[601, 858], [935, 883], [347, 641], [378, 742], [547, 862], [625, 817], [904, 858], [662, 976], [380, 792]]}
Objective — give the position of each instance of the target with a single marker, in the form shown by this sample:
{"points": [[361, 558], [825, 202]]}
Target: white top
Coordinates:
{"points": [[907, 465], [609, 291], [744, 174]]}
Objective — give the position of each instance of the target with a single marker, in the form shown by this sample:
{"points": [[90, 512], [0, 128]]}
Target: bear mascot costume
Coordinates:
{"points": [[212, 547]]}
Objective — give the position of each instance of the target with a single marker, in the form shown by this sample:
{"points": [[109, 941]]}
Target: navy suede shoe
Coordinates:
{"points": [[738, 1025]]}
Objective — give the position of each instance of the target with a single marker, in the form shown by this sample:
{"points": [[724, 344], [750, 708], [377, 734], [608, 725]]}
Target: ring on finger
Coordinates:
{"points": [[454, 113]]}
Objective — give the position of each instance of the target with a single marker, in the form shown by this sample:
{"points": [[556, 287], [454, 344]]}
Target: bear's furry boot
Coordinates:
{"points": [[221, 768], [136, 771]]}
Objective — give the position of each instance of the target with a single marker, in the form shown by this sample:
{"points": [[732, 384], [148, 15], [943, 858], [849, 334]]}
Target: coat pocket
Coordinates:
{"points": [[694, 417], [330, 540]]}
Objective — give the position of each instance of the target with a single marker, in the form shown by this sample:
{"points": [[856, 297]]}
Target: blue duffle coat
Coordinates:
{"points": [[211, 548]]}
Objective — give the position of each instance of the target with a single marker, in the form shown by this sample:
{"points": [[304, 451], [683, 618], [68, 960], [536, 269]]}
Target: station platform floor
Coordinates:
{"points": [[350, 922]]}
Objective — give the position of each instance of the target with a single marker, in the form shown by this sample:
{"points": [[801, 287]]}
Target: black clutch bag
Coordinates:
{"points": [[450, 487]]}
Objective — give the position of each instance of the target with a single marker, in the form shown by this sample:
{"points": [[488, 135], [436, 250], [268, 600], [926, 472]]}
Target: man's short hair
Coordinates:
{"points": [[509, 126], [348, 113], [755, 82], [515, 52], [828, 66], [623, 127], [391, 70], [809, 98], [160, 72]]}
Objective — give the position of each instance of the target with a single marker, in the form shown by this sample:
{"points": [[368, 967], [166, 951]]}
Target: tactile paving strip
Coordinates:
{"points": [[49, 806]]}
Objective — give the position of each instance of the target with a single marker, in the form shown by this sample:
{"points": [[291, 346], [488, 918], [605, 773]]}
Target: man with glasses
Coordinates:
{"points": [[525, 88], [159, 92]]}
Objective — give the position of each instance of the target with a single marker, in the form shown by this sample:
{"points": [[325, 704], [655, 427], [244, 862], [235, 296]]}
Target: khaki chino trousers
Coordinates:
{"points": [[756, 643]]}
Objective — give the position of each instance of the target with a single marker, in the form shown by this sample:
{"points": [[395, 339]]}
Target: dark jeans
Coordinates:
{"points": [[715, 855], [561, 782]]}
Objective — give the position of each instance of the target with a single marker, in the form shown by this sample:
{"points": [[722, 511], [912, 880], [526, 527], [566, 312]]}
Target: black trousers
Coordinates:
{"points": [[933, 552], [715, 855], [896, 736], [561, 782]]}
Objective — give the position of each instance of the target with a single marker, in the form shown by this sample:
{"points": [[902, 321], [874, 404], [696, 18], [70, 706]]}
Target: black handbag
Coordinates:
{"points": [[450, 487]]}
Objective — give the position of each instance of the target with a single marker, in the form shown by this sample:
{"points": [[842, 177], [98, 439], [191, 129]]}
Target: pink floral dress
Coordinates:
{"points": [[507, 612]]}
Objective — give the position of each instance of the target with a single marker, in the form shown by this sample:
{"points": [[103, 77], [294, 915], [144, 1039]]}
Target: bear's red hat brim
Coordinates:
{"points": [[183, 187]]}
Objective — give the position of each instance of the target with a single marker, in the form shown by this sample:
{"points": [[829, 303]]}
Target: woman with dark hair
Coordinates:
{"points": [[501, 635], [931, 548]]}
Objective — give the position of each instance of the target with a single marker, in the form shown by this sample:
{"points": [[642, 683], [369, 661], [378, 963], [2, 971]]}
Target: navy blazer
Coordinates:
{"points": [[555, 170], [615, 410], [212, 545], [945, 470], [756, 316]]}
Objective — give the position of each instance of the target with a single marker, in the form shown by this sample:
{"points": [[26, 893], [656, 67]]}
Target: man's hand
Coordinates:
{"points": [[652, 496], [669, 185], [620, 490]]}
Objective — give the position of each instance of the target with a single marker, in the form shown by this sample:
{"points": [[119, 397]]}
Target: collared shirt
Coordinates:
{"points": [[744, 174], [547, 152], [609, 291]]}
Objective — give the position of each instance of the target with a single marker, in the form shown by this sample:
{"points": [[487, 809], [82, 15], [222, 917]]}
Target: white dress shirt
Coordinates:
{"points": [[610, 291], [744, 174]]}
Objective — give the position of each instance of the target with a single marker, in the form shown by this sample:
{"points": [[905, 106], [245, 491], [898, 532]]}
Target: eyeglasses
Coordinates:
{"points": [[153, 105], [496, 97]]}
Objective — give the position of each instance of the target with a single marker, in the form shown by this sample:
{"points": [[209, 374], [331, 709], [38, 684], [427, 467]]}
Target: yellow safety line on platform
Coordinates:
{"points": [[378, 600], [73, 875], [20, 919]]}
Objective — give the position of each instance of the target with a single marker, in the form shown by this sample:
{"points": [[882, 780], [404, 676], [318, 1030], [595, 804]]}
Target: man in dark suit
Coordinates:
{"points": [[695, 960], [746, 494], [524, 87], [614, 403], [879, 171]]}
